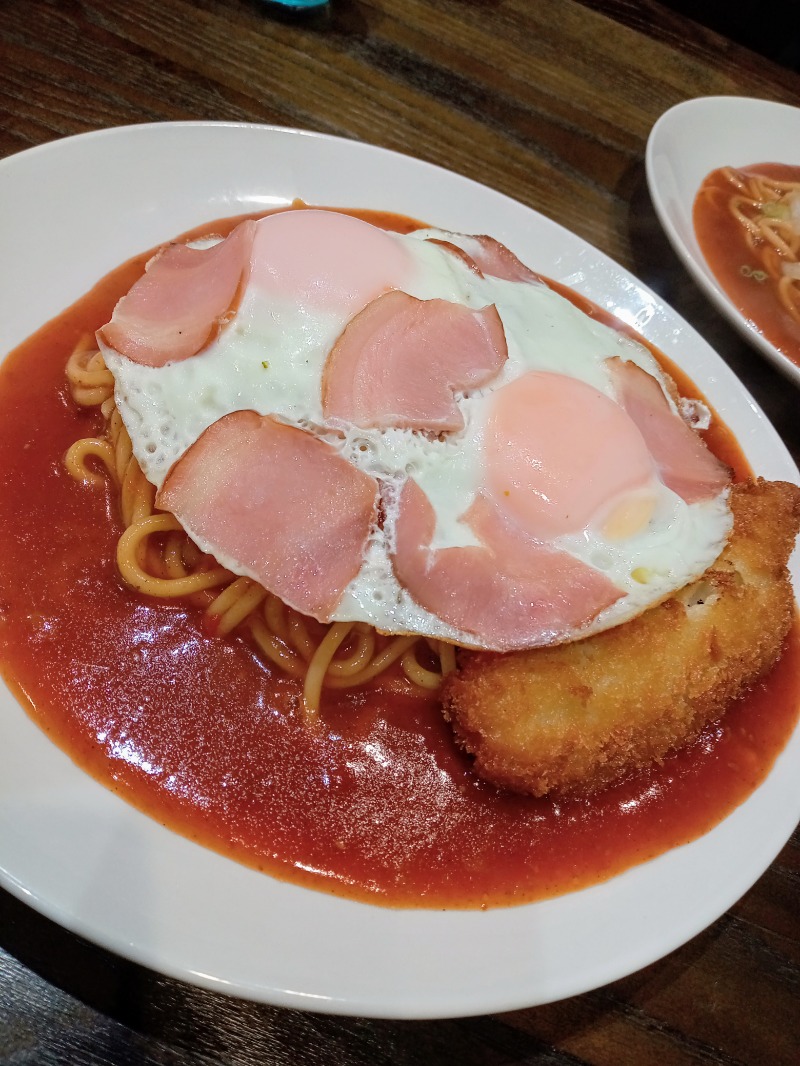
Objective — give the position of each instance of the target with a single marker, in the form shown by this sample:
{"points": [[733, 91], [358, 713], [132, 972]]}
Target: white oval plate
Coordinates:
{"points": [[687, 143], [72, 210]]}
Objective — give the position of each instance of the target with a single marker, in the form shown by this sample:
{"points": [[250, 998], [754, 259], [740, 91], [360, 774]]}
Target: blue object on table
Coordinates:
{"points": [[297, 4]]}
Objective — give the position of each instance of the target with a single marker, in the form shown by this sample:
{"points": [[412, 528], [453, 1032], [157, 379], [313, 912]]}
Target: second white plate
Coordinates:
{"points": [[687, 143]]}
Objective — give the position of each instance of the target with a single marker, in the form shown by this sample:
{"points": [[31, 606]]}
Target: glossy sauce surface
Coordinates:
{"points": [[375, 803], [741, 273]]}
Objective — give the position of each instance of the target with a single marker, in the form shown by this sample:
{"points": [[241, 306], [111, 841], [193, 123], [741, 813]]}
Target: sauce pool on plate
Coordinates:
{"points": [[374, 801]]}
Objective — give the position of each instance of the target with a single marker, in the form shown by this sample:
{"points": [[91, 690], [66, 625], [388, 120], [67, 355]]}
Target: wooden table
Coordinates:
{"points": [[550, 102]]}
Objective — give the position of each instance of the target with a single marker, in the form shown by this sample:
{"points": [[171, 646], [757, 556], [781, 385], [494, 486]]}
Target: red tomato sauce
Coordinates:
{"points": [[376, 802], [739, 271]]}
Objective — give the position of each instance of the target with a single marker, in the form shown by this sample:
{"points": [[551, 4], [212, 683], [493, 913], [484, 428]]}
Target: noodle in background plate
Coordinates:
{"points": [[768, 210]]}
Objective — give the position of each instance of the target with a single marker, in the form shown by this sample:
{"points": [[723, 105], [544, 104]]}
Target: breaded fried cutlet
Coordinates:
{"points": [[577, 717]]}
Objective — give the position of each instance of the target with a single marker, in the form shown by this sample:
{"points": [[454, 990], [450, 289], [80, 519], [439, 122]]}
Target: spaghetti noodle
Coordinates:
{"points": [[767, 208], [157, 558]]}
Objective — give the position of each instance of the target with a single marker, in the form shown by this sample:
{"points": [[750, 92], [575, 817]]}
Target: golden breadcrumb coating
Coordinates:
{"points": [[577, 717]]}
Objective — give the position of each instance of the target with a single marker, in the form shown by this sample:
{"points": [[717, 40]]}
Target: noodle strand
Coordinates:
{"points": [[768, 211]]}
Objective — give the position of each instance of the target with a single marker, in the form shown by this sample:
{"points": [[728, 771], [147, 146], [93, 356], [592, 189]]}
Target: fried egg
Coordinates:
{"points": [[413, 431]]}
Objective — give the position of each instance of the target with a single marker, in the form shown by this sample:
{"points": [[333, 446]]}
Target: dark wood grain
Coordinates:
{"points": [[550, 102]]}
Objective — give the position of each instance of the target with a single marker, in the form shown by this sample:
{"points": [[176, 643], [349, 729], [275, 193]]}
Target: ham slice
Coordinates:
{"points": [[400, 360], [684, 462], [174, 309], [485, 255], [277, 503], [510, 592], [459, 253]]}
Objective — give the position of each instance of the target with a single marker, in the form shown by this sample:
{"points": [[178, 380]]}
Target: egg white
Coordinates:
{"points": [[269, 358]]}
